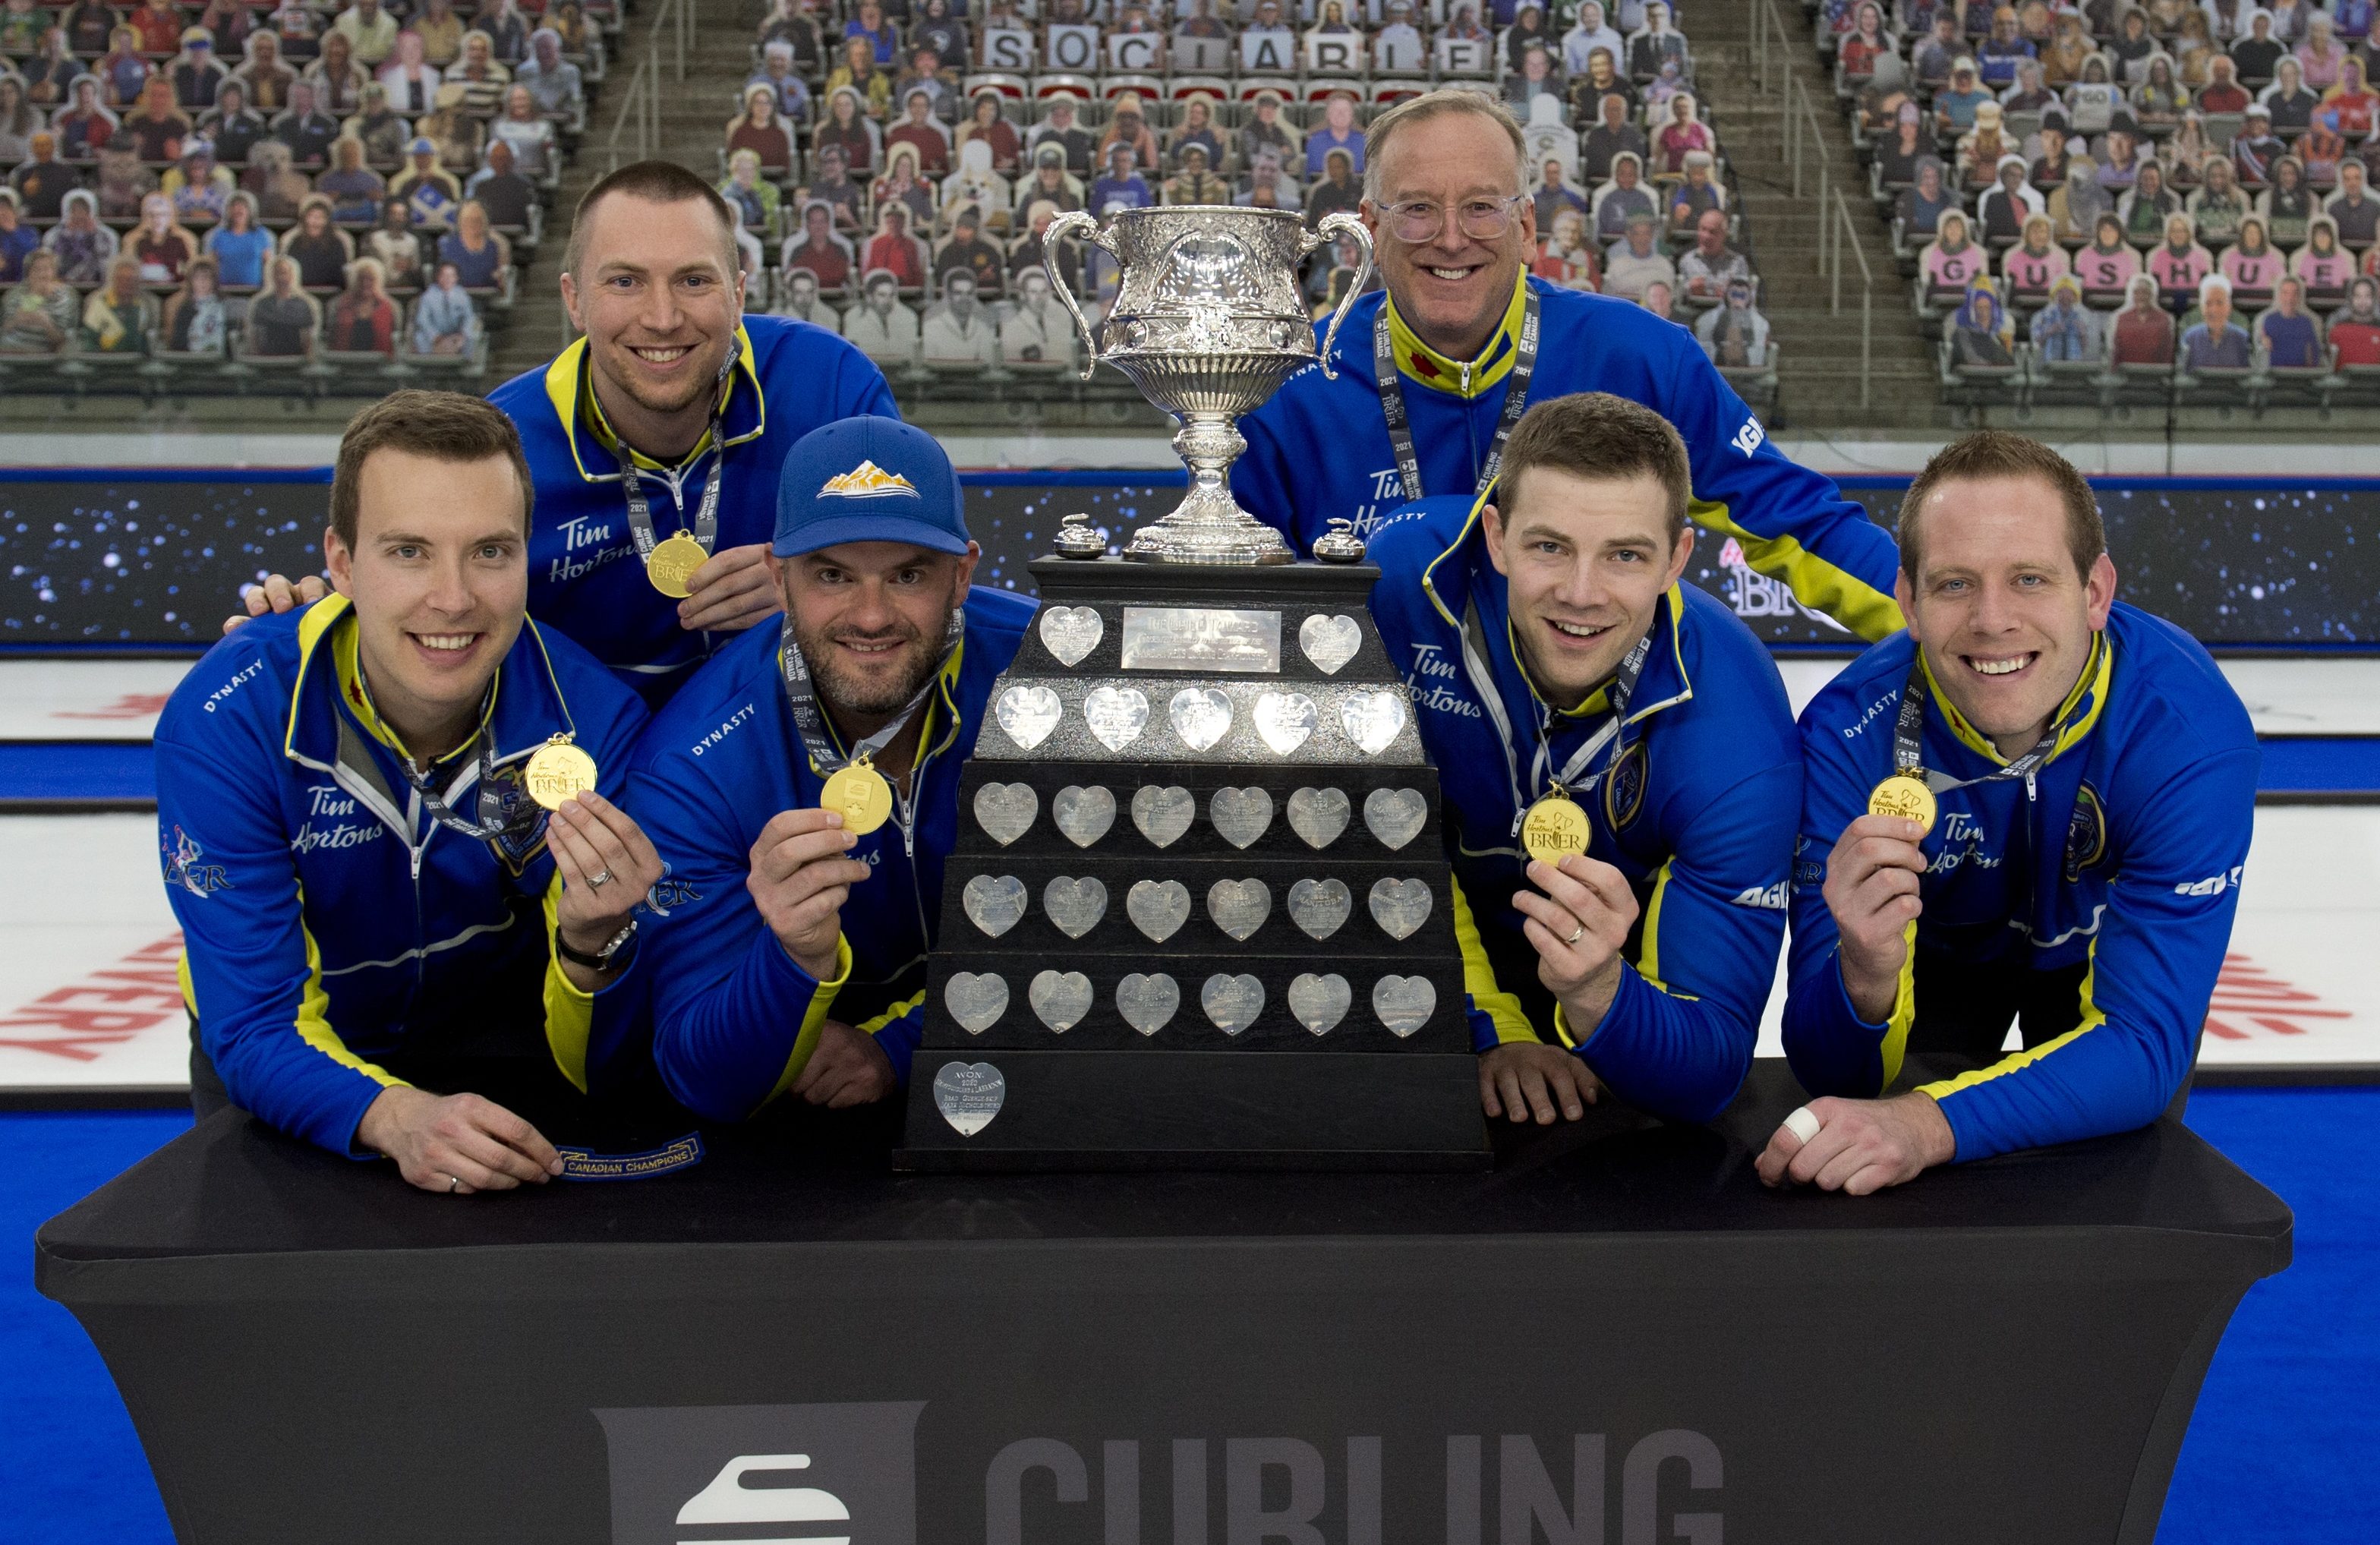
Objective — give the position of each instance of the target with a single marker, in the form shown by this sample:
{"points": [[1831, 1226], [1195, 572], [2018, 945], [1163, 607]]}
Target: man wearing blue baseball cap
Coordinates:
{"points": [[802, 789]]}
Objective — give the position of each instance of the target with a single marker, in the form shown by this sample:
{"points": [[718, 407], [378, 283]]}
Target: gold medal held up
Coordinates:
{"points": [[557, 773], [860, 794], [1555, 828], [1906, 796], [671, 563]]}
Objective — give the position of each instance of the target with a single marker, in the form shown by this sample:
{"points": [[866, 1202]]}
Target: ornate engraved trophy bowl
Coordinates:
{"points": [[1208, 322]]}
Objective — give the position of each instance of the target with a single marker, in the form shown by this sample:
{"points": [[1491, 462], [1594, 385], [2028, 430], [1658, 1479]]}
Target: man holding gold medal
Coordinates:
{"points": [[2033, 807], [381, 828], [656, 438], [803, 788], [1618, 763]]}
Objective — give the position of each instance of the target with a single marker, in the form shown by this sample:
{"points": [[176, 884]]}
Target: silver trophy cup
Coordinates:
{"points": [[1208, 322]]}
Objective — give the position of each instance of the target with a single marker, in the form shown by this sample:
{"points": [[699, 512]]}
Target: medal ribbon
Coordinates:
{"points": [[1392, 396], [493, 821], [1909, 731], [1622, 687], [705, 527], [801, 700]]}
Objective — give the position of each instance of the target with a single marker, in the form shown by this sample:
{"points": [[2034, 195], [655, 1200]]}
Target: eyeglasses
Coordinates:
{"points": [[1480, 219]]}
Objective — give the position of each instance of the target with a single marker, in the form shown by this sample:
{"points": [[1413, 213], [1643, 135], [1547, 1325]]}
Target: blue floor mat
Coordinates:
{"points": [[2280, 1449]]}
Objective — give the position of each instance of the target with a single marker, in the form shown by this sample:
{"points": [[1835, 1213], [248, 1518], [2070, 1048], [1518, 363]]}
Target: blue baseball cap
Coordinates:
{"points": [[867, 479]]}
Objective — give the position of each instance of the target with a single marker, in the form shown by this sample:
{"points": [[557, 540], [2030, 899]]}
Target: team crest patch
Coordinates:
{"points": [[2086, 833], [867, 480], [187, 866], [669, 892], [1623, 788], [519, 822]]}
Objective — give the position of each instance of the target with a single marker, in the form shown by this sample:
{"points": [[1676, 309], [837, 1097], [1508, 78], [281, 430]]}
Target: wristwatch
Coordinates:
{"points": [[604, 958]]}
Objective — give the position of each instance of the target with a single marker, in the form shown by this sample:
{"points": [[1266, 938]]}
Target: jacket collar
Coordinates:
{"points": [[2075, 718], [568, 390], [941, 718], [525, 708], [1464, 378]]}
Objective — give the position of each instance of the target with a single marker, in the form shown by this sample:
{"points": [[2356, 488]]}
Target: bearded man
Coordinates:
{"points": [[803, 789]]}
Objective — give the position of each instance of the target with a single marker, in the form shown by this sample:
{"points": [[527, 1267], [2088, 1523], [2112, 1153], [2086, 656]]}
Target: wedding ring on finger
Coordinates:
{"points": [[1803, 1124], [453, 1184], [599, 878], [1575, 935]]}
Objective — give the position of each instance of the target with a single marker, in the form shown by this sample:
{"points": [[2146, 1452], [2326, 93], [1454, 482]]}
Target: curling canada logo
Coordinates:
{"points": [[867, 480]]}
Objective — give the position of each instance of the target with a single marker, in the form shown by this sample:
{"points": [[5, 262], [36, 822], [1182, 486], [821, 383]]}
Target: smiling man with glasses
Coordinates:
{"points": [[1433, 376]]}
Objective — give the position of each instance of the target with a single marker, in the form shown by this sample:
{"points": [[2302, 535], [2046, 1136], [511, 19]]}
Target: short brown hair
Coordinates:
{"points": [[1995, 453], [1437, 104], [658, 182], [443, 426], [1595, 434]]}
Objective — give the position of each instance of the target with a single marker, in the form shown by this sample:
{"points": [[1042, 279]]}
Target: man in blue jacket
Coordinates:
{"points": [[352, 810], [792, 954], [1618, 763], [1434, 374], [656, 438], [2033, 807]]}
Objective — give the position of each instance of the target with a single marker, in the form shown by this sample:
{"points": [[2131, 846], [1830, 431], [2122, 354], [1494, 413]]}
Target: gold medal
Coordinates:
{"points": [[558, 771], [673, 562], [1555, 828], [1906, 796], [860, 794]]}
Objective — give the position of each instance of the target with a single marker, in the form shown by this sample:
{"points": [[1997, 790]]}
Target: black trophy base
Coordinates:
{"points": [[1206, 1111]]}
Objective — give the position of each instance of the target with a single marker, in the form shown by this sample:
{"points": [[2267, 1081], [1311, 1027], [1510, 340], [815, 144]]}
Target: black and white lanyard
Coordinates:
{"points": [[500, 815], [1392, 398], [801, 700], [704, 525], [1908, 738], [1569, 780]]}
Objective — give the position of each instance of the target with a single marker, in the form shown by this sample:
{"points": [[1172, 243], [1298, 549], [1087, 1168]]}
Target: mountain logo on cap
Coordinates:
{"points": [[867, 480]]}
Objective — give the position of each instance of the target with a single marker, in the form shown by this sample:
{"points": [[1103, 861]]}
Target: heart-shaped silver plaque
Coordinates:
{"points": [[1076, 906], [1148, 1002], [1116, 714], [993, 902], [1240, 814], [1239, 906], [1084, 814], [1232, 1002], [1157, 908], [1395, 815], [969, 1095], [1028, 713], [1329, 642], [1201, 717], [1372, 719], [1320, 1003], [1061, 997], [1071, 632], [1163, 814], [1319, 815], [1404, 1003], [1284, 719], [976, 1001], [1005, 811], [1399, 906], [1319, 906]]}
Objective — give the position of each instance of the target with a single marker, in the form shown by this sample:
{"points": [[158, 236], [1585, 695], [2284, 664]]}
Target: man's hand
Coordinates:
{"points": [[800, 879], [1523, 1077], [277, 594], [1578, 927], [608, 864], [733, 589], [1862, 1145], [455, 1143], [1872, 889], [846, 1067]]}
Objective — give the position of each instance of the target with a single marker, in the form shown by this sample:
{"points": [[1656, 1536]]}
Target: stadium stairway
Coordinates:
{"points": [[693, 122], [1818, 366]]}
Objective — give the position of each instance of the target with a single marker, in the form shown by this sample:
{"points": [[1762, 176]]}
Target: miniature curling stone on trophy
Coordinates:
{"points": [[1198, 914]]}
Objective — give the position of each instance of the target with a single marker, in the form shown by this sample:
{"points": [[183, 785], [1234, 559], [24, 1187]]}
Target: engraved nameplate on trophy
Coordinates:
{"points": [[1196, 639]]}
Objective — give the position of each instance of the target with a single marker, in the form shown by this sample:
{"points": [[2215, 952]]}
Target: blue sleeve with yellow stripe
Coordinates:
{"points": [[735, 1019], [252, 974], [1792, 523], [1678, 1038], [2151, 973]]}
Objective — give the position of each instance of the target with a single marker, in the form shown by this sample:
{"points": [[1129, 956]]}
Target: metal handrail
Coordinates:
{"points": [[636, 126], [1846, 234], [1803, 135]]}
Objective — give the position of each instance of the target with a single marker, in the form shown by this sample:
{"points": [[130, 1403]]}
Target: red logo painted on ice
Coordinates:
{"points": [[106, 1008], [2248, 999]]}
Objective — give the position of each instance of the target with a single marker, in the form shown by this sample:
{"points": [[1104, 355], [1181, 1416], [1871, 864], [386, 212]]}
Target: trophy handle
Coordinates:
{"points": [[1329, 230], [1073, 222]]}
